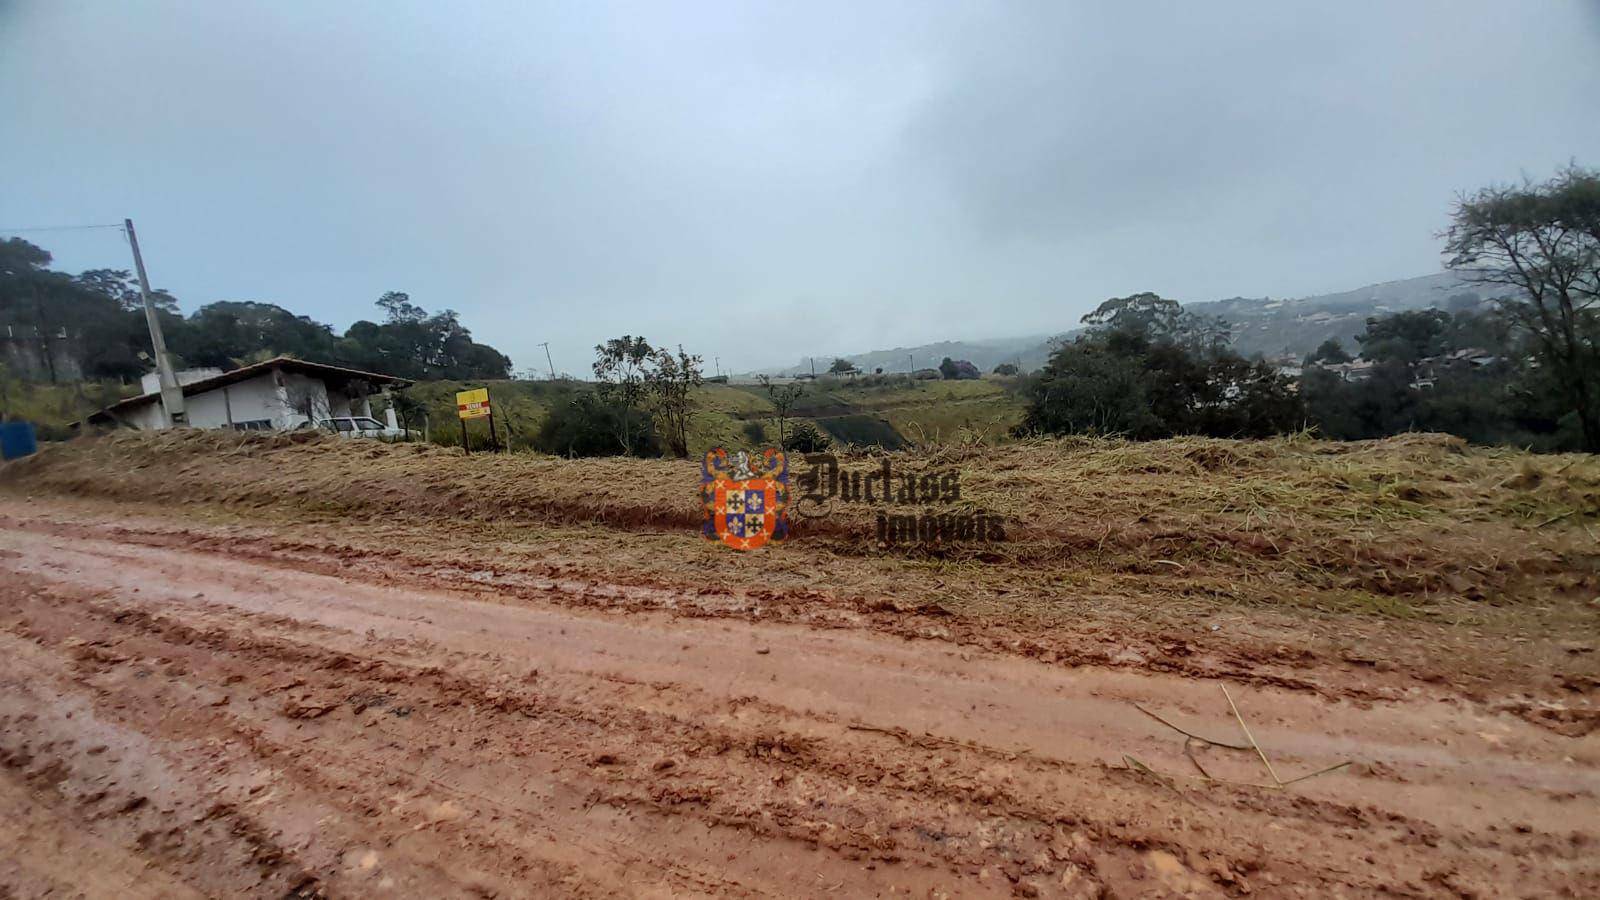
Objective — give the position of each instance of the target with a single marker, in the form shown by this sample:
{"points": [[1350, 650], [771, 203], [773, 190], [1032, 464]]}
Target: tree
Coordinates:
{"points": [[399, 309], [1087, 388], [1329, 351], [620, 366], [1487, 331], [225, 333], [1493, 401], [1122, 382], [672, 380], [952, 369], [94, 322], [1245, 399], [407, 409], [122, 287], [27, 293], [1144, 313], [19, 257], [1007, 369], [807, 438], [783, 398], [587, 425], [841, 366], [1404, 337], [72, 325], [413, 343], [1203, 334], [1542, 241], [1158, 319]]}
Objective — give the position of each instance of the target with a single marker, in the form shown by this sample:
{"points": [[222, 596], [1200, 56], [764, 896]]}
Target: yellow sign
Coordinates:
{"points": [[472, 404]]}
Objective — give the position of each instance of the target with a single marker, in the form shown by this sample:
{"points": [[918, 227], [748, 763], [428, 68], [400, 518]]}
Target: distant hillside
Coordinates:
{"points": [[1264, 325], [1295, 327], [1029, 352]]}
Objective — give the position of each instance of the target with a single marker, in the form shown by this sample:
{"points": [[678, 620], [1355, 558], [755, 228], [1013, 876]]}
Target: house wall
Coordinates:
{"points": [[271, 398], [298, 388], [150, 382], [146, 417], [329, 403], [254, 400]]}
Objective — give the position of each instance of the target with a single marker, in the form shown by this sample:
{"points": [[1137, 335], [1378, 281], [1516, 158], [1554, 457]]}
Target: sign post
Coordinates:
{"points": [[474, 404]]}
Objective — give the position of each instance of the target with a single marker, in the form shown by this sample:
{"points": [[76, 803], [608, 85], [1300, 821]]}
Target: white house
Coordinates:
{"points": [[277, 395]]}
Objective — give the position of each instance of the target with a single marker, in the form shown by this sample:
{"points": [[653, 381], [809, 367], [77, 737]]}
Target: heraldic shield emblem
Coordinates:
{"points": [[745, 498]]}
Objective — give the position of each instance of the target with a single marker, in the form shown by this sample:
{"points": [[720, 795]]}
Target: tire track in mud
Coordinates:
{"points": [[1276, 662], [1266, 665], [457, 760]]}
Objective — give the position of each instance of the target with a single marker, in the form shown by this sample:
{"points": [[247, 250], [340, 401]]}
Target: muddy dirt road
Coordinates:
{"points": [[189, 721]]}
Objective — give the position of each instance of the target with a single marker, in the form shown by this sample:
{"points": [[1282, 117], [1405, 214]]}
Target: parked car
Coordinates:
{"points": [[358, 427]]}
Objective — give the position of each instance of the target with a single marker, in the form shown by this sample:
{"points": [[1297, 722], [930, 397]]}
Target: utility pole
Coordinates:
{"points": [[911, 363], [546, 346], [718, 360], [172, 412], [813, 368]]}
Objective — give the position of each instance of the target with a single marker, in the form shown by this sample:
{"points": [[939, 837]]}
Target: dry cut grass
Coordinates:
{"points": [[1399, 527]]}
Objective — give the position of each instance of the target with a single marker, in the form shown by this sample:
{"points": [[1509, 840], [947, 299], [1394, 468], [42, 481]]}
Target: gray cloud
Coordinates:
{"points": [[759, 182]]}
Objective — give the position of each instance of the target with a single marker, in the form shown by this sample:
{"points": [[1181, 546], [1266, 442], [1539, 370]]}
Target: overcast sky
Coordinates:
{"points": [[760, 182]]}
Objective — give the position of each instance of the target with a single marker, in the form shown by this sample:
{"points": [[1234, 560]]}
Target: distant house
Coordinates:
{"points": [[1472, 356], [277, 395], [1429, 370], [1354, 370], [1425, 372]]}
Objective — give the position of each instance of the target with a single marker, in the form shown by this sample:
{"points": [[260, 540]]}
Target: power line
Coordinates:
{"points": [[56, 228]]}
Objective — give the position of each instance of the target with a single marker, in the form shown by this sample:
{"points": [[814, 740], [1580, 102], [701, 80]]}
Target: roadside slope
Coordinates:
{"points": [[1414, 561]]}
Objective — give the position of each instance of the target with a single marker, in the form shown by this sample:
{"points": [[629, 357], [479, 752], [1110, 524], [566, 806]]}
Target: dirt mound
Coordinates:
{"points": [[1383, 526]]}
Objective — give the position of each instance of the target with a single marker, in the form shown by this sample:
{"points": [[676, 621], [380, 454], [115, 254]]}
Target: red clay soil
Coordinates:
{"points": [[199, 717]]}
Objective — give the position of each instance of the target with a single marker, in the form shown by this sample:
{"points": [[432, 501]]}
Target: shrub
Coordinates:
{"points": [[806, 437], [589, 426]]}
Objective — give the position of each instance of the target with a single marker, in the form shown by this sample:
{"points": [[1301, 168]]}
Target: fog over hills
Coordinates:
{"points": [[1261, 325], [1295, 327]]}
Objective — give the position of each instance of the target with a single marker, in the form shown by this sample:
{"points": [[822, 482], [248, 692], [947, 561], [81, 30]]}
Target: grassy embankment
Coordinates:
{"points": [[52, 407], [891, 412], [1401, 527], [1430, 560]]}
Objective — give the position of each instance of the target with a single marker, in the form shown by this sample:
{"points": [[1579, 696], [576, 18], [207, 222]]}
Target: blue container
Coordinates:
{"points": [[17, 440]]}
